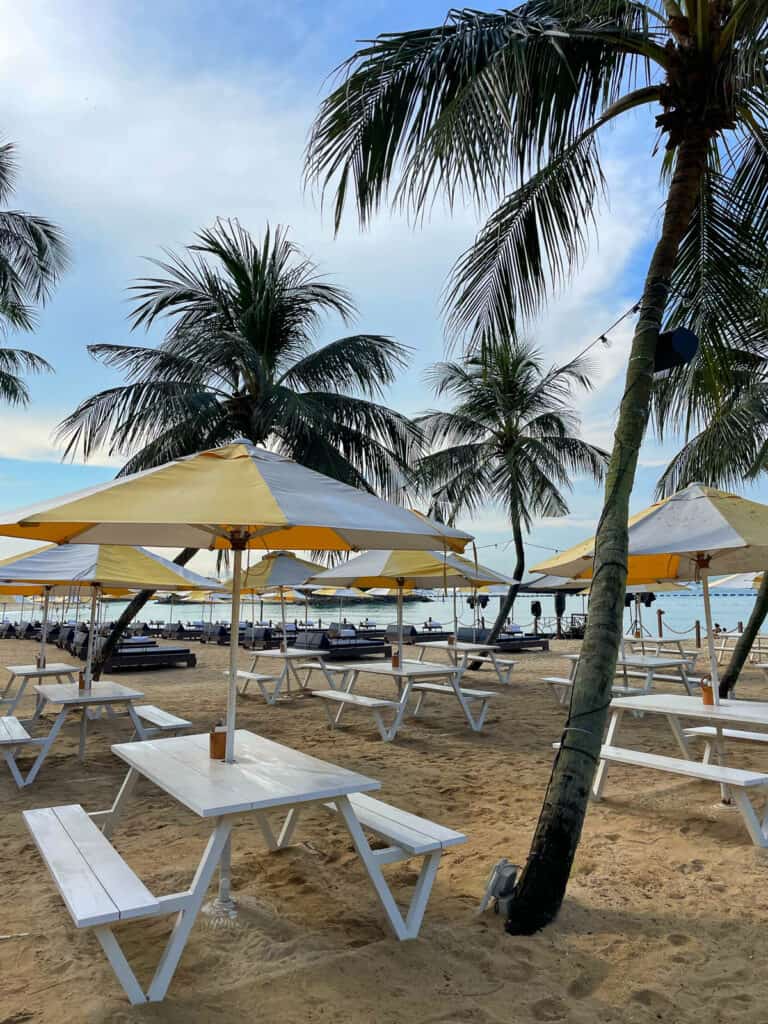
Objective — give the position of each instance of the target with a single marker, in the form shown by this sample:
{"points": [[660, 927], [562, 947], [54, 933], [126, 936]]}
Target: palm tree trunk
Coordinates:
{"points": [[747, 638], [508, 603], [130, 614], [540, 891]]}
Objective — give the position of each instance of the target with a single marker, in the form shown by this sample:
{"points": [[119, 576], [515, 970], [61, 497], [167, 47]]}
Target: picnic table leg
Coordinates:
{"points": [[8, 684], [83, 733], [404, 928], [9, 756], [112, 816], [138, 725], [388, 734], [602, 768], [679, 735], [185, 920], [47, 743], [455, 682], [14, 699], [683, 670]]}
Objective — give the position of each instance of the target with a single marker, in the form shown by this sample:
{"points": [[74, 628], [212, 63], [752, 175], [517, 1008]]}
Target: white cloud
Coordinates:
{"points": [[28, 437]]}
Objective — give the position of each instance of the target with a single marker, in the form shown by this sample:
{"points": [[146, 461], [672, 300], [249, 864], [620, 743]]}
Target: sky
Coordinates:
{"points": [[139, 123]]}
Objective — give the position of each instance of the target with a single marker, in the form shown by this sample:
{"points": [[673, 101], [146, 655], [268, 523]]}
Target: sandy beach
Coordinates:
{"points": [[663, 919]]}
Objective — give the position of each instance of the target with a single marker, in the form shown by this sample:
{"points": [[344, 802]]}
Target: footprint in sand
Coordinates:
{"points": [[583, 985], [549, 1009], [677, 939]]}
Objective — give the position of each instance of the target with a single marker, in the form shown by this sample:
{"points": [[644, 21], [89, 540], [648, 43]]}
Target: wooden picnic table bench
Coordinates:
{"points": [[100, 889]]}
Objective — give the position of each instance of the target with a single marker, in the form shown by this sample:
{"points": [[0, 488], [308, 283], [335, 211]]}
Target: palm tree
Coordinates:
{"points": [[33, 255], [510, 440], [239, 359], [506, 108]]}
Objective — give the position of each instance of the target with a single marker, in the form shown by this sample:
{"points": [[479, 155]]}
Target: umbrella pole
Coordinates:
{"points": [[400, 622], [234, 637], [710, 638], [455, 617], [44, 627], [91, 632], [224, 901]]}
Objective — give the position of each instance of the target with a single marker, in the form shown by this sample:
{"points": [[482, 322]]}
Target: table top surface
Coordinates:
{"points": [[265, 774], [409, 669], [292, 652], [104, 692], [460, 645], [753, 712], [53, 668]]}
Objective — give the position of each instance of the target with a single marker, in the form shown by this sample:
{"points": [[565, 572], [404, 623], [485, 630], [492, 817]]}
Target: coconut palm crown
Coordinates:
{"points": [[239, 359]]}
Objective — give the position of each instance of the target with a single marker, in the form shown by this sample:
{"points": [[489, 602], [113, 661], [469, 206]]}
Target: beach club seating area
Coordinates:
{"points": [[456, 715]]}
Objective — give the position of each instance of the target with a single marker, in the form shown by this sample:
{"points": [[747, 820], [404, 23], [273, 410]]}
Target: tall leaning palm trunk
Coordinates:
{"points": [[540, 891], [486, 101]]}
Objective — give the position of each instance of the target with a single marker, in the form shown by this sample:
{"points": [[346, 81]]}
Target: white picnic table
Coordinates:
{"points": [[725, 642], [650, 665], [461, 653], [67, 697], [411, 675], [291, 659], [265, 778], [716, 719], [659, 646], [58, 670]]}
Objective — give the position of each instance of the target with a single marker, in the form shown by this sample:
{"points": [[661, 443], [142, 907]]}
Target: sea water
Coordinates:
{"points": [[681, 611]]}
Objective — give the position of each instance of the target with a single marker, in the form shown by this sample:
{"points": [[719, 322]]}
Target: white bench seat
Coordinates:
{"points": [[483, 696], [160, 721], [709, 734], [503, 666], [96, 884], [99, 889], [268, 685], [662, 677], [375, 705], [561, 687], [414, 835], [13, 735], [408, 835], [737, 780]]}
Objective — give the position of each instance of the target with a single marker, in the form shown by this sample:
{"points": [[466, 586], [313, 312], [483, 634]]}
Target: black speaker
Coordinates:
{"points": [[675, 348], [559, 603], [536, 609]]}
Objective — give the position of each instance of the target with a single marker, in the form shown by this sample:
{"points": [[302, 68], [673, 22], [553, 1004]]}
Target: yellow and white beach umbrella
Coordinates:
{"points": [[695, 533], [278, 571], [739, 581], [343, 594], [237, 497], [407, 570], [100, 568]]}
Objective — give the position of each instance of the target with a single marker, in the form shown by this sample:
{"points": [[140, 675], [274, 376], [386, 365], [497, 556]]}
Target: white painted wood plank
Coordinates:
{"points": [[12, 731], [162, 719], [731, 734], [449, 690], [265, 774], [678, 766], [85, 898], [54, 668], [393, 822], [355, 698], [104, 692], [733, 712], [122, 885]]}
